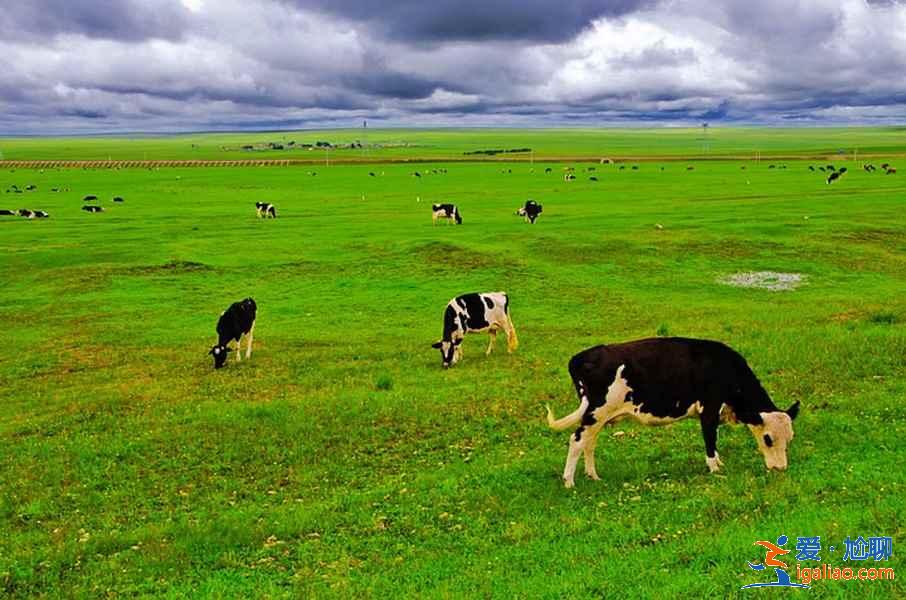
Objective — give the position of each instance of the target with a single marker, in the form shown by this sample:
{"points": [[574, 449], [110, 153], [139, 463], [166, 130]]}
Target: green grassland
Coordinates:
{"points": [[342, 461], [452, 144]]}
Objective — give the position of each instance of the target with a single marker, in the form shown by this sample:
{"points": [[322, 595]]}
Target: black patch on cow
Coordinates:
{"points": [[768, 441], [488, 302]]}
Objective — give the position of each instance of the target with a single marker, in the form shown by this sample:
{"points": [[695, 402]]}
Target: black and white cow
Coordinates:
{"points": [[475, 313], [92, 208], [445, 211], [234, 322], [530, 211], [40, 214], [266, 210], [661, 380]]}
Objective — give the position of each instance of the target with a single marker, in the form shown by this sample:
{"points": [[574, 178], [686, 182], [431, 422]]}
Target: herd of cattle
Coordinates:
{"points": [[653, 381]]}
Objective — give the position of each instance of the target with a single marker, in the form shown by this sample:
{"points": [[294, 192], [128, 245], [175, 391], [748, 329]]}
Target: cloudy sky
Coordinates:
{"points": [[78, 66]]}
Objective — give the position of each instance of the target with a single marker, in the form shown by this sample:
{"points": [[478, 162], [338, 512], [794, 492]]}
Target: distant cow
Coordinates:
{"points": [[885, 165], [445, 211], [569, 177], [40, 214], [371, 174], [891, 171], [592, 178], [5, 212], [690, 168], [31, 188], [93, 209], [661, 380], [416, 174], [475, 313], [89, 198], [833, 177], [548, 170], [530, 211], [266, 210], [24, 212], [118, 199], [635, 167], [811, 167], [236, 321]]}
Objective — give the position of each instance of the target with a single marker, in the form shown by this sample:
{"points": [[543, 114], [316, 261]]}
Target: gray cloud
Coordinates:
{"points": [[108, 65]]}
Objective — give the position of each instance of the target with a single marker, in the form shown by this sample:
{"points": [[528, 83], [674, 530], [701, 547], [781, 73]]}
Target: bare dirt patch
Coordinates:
{"points": [[765, 280]]}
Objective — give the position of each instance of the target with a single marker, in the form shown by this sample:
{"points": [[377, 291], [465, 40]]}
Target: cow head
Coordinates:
{"points": [[220, 355], [773, 432], [458, 217], [450, 352]]}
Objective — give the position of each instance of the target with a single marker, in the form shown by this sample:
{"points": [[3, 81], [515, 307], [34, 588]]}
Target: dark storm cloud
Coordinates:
{"points": [[107, 65], [129, 20], [476, 20]]}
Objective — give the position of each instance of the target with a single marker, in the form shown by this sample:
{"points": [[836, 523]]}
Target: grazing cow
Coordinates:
{"points": [[811, 167], [118, 199], [569, 177], [771, 166], [833, 177], [416, 174], [843, 170], [93, 209], [90, 198], [831, 168], [475, 313], [891, 171], [622, 167], [635, 167], [885, 165], [24, 212], [31, 188], [530, 211], [236, 321], [5, 212], [266, 210], [371, 174], [690, 168], [445, 211], [592, 178], [661, 380], [40, 214], [548, 170]]}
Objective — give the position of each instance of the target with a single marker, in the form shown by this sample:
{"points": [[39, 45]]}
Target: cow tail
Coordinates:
{"points": [[575, 417]]}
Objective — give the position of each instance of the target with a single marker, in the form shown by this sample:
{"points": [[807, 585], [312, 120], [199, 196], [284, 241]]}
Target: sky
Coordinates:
{"points": [[94, 66]]}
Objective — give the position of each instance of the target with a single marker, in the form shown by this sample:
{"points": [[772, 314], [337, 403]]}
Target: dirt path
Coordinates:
{"points": [[297, 162]]}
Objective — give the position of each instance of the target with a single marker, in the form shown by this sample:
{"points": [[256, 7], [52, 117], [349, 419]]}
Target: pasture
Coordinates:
{"points": [[342, 461]]}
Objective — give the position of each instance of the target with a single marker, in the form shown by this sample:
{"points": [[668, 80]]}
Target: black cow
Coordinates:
{"points": [[40, 214], [690, 168], [89, 198], [592, 178], [548, 170], [811, 167], [833, 177], [530, 211], [93, 209], [371, 174], [5, 212], [445, 211], [266, 210], [234, 322], [821, 169], [118, 199], [474, 313], [661, 380]]}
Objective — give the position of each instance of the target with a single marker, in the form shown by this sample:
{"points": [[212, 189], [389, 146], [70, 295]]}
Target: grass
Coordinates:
{"points": [[342, 461], [453, 144]]}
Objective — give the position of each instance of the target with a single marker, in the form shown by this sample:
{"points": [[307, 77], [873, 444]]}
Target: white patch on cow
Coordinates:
{"points": [[779, 426], [216, 350], [239, 349]]}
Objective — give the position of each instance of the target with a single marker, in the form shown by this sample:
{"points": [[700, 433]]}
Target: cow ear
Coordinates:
{"points": [[436, 345], [793, 411]]}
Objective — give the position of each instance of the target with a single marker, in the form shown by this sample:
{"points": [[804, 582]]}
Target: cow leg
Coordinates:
{"points": [[709, 432], [589, 452], [248, 350], [492, 339], [239, 349], [577, 443]]}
